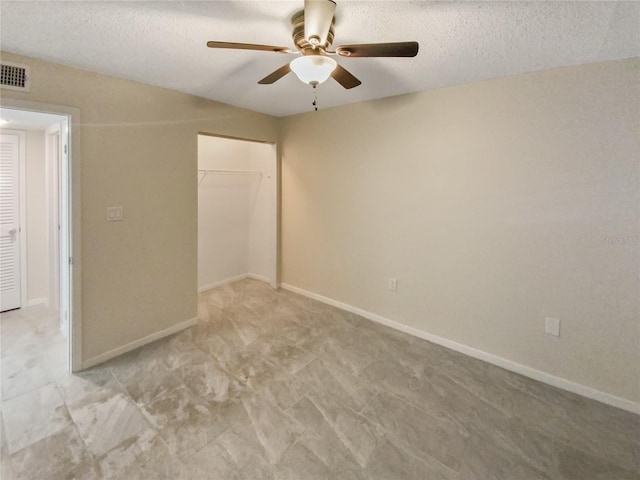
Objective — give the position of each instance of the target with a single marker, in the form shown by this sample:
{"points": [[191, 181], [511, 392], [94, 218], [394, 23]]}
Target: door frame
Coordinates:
{"points": [[74, 215], [52, 160]]}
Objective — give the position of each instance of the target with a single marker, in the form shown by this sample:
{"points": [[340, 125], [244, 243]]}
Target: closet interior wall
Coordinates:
{"points": [[236, 211]]}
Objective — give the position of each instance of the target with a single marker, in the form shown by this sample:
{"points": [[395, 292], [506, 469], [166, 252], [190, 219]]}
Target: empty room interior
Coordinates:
{"points": [[320, 240]]}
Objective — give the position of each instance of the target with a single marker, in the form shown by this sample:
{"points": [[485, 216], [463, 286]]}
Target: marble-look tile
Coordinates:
{"points": [[146, 384], [550, 411], [47, 327], [17, 338], [84, 471], [129, 459], [275, 430], [271, 385], [105, 419], [5, 465], [226, 296], [33, 416], [470, 375], [207, 312], [185, 421], [388, 462], [281, 353], [358, 435], [408, 383], [55, 358], [483, 459], [601, 417], [332, 379], [207, 379], [228, 356], [429, 438], [242, 445], [635, 445], [574, 464], [272, 382], [213, 462], [329, 345], [304, 303], [299, 459], [246, 324], [75, 386], [164, 468], [322, 440], [529, 445], [54, 456], [441, 396], [144, 359], [179, 350], [21, 374]]}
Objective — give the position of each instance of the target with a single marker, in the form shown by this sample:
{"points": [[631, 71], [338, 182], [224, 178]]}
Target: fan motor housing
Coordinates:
{"points": [[302, 43]]}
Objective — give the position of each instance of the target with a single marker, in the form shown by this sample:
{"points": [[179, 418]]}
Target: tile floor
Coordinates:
{"points": [[271, 385]]}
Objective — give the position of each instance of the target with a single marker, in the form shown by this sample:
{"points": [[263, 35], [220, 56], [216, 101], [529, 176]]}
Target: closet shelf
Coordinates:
{"points": [[226, 172]]}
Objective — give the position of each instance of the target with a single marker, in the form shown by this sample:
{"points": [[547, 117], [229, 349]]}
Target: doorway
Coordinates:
{"points": [[237, 211], [34, 216]]}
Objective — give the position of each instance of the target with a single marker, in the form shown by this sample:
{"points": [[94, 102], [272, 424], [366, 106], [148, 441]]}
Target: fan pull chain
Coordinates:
{"points": [[315, 97]]}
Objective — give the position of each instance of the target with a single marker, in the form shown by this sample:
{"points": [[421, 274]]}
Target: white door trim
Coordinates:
{"points": [[52, 160], [75, 237]]}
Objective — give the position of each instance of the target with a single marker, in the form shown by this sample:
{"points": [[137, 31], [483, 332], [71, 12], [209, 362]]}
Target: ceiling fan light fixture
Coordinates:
{"points": [[313, 69]]}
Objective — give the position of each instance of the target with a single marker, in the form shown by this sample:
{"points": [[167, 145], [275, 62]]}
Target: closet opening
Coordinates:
{"points": [[237, 211]]}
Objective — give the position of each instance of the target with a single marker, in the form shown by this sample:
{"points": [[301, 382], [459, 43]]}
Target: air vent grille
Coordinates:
{"points": [[15, 76]]}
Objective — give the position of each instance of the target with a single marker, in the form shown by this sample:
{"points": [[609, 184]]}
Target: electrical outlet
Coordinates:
{"points": [[114, 214], [552, 326], [393, 284]]}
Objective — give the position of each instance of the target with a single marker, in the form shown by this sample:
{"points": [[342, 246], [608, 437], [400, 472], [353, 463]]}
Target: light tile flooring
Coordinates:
{"points": [[271, 385]]}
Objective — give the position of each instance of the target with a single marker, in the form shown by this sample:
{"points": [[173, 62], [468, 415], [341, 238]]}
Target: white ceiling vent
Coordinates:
{"points": [[15, 76]]}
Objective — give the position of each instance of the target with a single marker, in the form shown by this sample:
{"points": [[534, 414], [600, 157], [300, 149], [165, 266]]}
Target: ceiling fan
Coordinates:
{"points": [[313, 34]]}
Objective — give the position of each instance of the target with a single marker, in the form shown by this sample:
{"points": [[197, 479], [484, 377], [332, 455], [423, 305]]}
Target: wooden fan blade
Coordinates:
{"points": [[397, 49], [318, 15], [248, 46], [344, 77], [275, 76]]}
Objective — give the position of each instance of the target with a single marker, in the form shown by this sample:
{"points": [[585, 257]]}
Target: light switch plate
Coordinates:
{"points": [[114, 214]]}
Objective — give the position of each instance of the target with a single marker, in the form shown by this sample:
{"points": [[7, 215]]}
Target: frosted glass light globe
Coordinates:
{"points": [[313, 69]]}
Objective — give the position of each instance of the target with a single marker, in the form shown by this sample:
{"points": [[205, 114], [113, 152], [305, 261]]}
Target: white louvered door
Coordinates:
{"points": [[9, 222]]}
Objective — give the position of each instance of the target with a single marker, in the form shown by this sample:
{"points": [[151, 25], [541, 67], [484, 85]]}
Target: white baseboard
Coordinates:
{"points": [[37, 301], [512, 366], [103, 357], [222, 282], [234, 279], [258, 277]]}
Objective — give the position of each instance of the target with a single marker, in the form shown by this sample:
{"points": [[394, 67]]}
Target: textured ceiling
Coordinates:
{"points": [[163, 43]]}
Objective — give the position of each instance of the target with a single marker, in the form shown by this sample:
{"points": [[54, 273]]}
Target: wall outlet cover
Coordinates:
{"points": [[114, 214]]}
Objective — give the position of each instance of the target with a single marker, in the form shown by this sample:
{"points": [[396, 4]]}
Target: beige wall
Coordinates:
{"points": [[138, 151], [36, 216], [494, 204]]}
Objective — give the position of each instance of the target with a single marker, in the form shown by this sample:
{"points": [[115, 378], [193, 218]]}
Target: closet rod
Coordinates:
{"points": [[244, 172], [226, 172]]}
